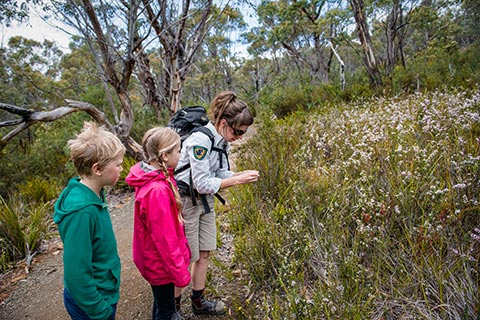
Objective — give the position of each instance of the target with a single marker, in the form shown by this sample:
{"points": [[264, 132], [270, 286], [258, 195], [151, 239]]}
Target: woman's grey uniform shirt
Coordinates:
{"points": [[204, 163]]}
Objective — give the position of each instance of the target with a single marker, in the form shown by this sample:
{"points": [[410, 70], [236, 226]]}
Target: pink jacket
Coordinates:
{"points": [[160, 248]]}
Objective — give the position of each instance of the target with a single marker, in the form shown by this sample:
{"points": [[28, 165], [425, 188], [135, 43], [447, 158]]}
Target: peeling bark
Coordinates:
{"points": [[370, 60], [179, 44], [28, 117]]}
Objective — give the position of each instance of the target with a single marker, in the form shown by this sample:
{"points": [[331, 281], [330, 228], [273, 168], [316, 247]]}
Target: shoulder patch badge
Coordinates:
{"points": [[199, 152]]}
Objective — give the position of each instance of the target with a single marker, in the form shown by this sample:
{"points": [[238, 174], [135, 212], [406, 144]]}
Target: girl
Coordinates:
{"points": [[208, 173], [160, 249]]}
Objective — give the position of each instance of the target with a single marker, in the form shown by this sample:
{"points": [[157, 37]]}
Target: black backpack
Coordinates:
{"points": [[185, 122], [189, 120]]}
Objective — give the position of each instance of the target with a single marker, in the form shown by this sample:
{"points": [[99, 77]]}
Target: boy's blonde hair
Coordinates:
{"points": [[92, 145], [156, 142]]}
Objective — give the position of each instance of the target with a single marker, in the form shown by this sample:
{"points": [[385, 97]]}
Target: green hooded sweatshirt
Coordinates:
{"points": [[90, 257]]}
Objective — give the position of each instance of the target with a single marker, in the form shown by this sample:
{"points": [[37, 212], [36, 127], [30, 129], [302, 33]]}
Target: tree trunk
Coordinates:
{"points": [[175, 89], [180, 41], [401, 36], [391, 37], [118, 80], [370, 60], [148, 81]]}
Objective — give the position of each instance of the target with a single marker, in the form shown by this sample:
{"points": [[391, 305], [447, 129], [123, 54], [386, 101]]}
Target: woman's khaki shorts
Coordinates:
{"points": [[200, 227]]}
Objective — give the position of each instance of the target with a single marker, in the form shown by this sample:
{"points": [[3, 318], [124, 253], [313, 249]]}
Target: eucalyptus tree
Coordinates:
{"points": [[394, 20], [109, 29], [218, 58], [122, 37], [180, 28], [15, 10], [125, 36], [369, 55], [295, 27], [308, 31], [311, 31], [468, 18], [28, 70], [395, 26], [404, 29]]}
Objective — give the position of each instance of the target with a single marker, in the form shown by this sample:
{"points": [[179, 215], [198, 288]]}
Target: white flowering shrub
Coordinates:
{"points": [[368, 210]]}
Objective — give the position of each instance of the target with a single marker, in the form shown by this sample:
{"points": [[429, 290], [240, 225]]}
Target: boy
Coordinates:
{"points": [[91, 261]]}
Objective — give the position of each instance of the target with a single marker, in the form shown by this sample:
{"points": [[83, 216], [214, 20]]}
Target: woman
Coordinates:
{"points": [[207, 173]]}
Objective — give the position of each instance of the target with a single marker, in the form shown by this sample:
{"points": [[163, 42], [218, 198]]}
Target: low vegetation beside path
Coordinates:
{"points": [[364, 211]]}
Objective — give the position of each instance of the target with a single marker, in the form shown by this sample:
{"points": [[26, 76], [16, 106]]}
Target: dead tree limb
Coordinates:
{"points": [[28, 117]]}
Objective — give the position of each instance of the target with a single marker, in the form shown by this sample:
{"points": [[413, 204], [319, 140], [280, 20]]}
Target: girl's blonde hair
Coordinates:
{"points": [[92, 145], [227, 106], [157, 142]]}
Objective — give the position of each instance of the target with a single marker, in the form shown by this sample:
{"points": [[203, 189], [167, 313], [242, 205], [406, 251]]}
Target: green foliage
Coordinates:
{"points": [[38, 190], [128, 162], [146, 119], [442, 65], [11, 231], [37, 225], [21, 230], [45, 157], [16, 10], [29, 69], [366, 210], [283, 101]]}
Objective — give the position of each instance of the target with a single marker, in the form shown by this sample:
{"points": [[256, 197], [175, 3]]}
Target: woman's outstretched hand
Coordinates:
{"points": [[247, 176]]}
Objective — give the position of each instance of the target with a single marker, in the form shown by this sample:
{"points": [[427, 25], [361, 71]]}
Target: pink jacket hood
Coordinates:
{"points": [[160, 248]]}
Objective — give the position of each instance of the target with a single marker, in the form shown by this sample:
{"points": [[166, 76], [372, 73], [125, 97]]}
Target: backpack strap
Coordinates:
{"points": [[222, 150], [206, 132], [192, 192]]}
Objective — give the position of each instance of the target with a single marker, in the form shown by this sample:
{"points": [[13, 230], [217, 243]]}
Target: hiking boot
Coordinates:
{"points": [[178, 316], [215, 308]]}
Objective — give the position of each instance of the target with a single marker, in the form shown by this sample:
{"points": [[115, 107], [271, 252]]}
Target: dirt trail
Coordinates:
{"points": [[39, 294]]}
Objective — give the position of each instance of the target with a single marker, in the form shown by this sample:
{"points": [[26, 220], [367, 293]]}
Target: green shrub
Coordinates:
{"points": [[11, 230], [44, 156], [22, 228], [38, 190], [128, 162], [442, 65], [283, 101], [368, 210]]}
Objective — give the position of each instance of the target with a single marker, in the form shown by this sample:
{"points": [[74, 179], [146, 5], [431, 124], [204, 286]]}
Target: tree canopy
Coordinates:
{"points": [[132, 58]]}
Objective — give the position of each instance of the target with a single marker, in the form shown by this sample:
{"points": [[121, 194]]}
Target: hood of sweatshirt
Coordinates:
{"points": [[76, 196], [142, 173]]}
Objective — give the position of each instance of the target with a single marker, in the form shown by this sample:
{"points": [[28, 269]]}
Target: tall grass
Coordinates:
{"points": [[26, 218], [22, 228], [365, 211]]}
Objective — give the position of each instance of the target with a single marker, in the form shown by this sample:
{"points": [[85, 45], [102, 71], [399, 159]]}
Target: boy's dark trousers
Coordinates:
{"points": [[75, 312]]}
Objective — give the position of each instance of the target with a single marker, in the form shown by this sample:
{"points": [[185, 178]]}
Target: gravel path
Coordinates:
{"points": [[38, 294]]}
